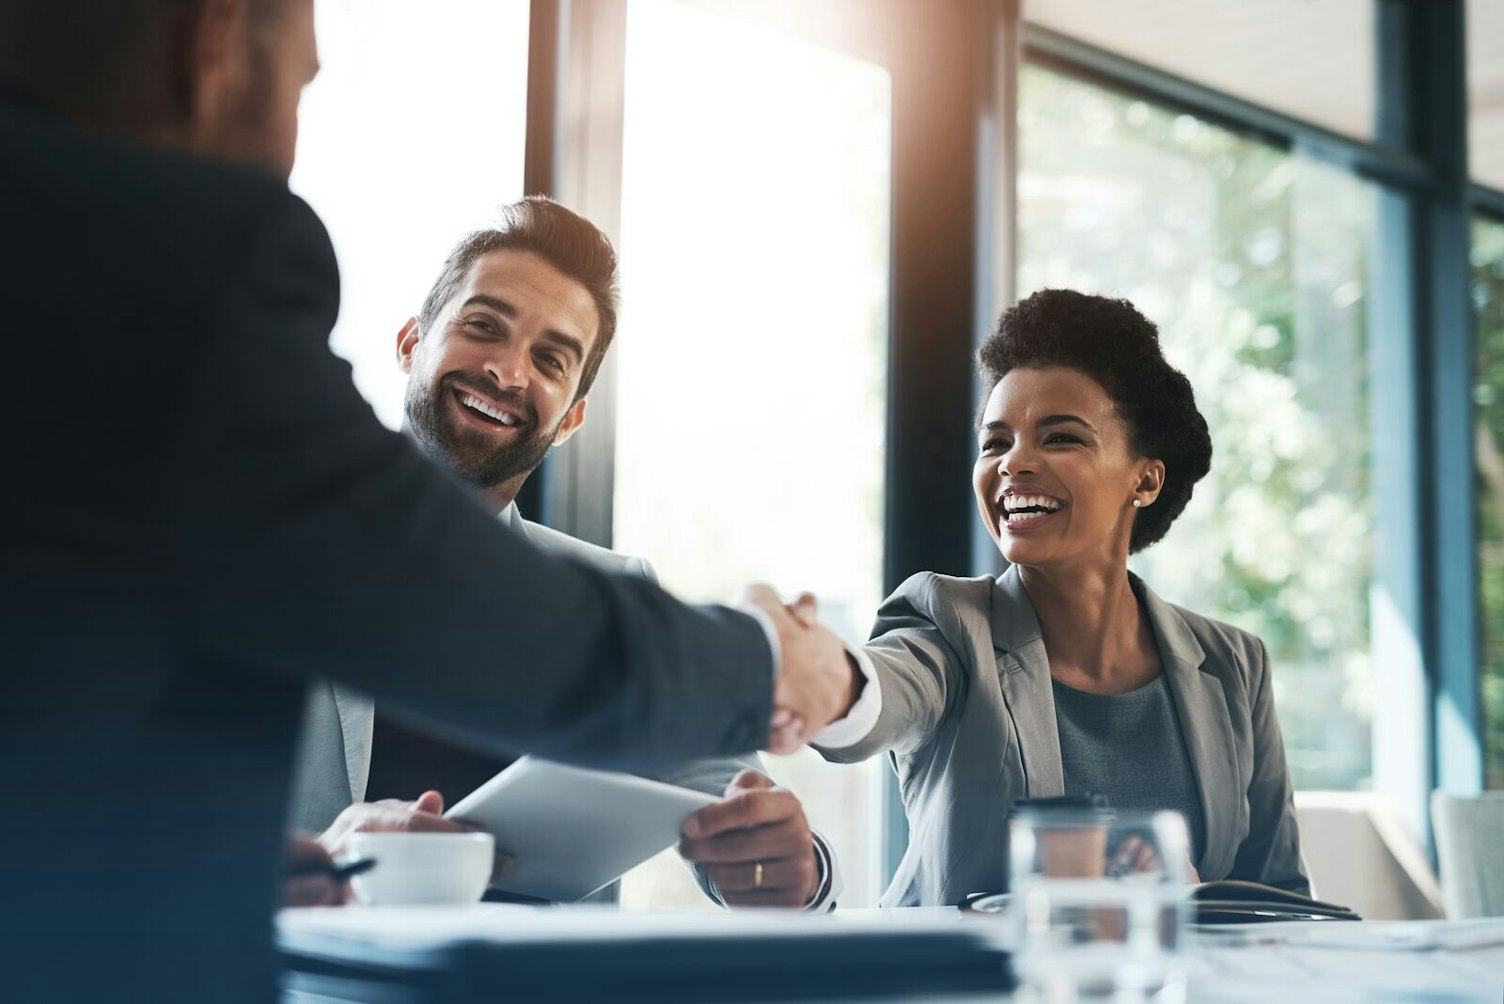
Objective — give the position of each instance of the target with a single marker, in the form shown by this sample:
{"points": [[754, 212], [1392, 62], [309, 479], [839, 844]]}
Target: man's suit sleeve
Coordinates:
{"points": [[314, 541]]}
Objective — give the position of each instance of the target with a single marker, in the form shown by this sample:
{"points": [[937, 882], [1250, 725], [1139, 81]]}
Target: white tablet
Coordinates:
{"points": [[574, 830]]}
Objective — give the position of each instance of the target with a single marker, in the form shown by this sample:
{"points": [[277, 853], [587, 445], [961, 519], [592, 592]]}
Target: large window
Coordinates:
{"points": [[411, 136], [1253, 263], [754, 246], [1488, 297]]}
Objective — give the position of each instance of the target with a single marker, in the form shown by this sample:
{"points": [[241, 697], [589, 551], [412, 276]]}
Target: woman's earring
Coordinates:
{"points": [[1137, 503]]}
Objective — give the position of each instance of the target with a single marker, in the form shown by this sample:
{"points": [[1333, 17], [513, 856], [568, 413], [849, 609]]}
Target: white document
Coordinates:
{"points": [[574, 830]]}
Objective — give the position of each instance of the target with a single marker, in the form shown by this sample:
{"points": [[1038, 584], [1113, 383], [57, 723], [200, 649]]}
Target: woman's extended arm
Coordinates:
{"points": [[918, 672]]}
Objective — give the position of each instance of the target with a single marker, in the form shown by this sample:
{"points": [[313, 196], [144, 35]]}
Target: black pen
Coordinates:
{"points": [[336, 873]]}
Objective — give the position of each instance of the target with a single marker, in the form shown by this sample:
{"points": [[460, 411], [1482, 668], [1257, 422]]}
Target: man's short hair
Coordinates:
{"points": [[564, 239], [90, 58]]}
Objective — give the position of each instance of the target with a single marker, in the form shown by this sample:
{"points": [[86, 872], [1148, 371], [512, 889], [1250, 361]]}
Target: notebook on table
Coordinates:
{"points": [[489, 952], [1232, 901]]}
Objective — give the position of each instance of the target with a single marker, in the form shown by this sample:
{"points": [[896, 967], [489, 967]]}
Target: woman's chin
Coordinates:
{"points": [[1019, 552]]}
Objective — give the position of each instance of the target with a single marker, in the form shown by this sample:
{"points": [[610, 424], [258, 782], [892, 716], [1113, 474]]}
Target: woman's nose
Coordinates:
{"points": [[1015, 462]]}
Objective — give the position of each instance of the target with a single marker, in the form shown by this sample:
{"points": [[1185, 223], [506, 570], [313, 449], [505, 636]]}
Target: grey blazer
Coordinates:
{"points": [[334, 753], [968, 721]]}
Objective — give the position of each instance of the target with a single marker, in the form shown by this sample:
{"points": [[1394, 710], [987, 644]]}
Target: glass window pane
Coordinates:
{"points": [[1488, 297], [411, 135], [1314, 61], [1485, 91], [752, 356], [1253, 264]]}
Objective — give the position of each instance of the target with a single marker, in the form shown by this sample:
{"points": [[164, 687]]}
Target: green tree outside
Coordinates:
{"points": [[1254, 264], [1488, 395]]}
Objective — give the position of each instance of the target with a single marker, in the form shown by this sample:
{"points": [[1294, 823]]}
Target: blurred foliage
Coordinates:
{"points": [[1488, 298], [1253, 262]]}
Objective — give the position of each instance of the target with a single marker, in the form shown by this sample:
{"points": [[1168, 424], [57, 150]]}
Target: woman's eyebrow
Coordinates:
{"points": [[1064, 419]]}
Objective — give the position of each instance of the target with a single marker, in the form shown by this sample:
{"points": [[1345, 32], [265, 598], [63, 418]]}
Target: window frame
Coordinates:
{"points": [[1421, 367], [955, 70]]}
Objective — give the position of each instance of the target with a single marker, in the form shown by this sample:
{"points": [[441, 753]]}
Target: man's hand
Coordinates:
{"points": [[311, 889], [807, 610], [755, 844], [425, 815], [817, 682]]}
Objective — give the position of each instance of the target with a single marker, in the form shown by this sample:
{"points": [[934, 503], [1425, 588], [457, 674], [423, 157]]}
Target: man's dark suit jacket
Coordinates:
{"points": [[201, 514]]}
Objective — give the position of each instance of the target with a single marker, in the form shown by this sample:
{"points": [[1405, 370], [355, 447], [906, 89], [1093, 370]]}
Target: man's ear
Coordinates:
{"points": [[573, 419], [407, 344], [215, 46], [1151, 482]]}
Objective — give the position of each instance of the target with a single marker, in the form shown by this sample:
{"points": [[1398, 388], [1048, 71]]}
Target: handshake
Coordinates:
{"points": [[818, 682]]}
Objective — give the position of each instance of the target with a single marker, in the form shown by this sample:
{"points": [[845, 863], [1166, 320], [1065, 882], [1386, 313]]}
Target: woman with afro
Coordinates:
{"points": [[1067, 675]]}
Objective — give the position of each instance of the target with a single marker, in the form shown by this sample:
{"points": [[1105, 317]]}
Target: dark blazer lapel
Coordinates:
{"points": [[1202, 709], [1024, 674]]}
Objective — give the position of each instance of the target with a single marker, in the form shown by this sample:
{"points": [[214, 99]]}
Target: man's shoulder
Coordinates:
{"points": [[170, 214], [182, 280], [558, 542]]}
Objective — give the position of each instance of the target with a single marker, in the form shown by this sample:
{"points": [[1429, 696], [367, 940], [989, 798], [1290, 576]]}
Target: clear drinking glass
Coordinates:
{"points": [[1100, 904]]}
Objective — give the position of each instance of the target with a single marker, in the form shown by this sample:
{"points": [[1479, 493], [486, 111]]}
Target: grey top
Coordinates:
{"points": [[1129, 748]]}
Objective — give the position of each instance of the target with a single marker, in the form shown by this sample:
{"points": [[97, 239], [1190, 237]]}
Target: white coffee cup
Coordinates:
{"points": [[422, 868]]}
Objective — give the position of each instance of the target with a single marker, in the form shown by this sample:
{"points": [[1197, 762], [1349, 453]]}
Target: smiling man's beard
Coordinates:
{"points": [[466, 451]]}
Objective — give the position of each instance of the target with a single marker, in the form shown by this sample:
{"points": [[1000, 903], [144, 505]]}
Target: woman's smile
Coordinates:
{"points": [[1026, 511]]}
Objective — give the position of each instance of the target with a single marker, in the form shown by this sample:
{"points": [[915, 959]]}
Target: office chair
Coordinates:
{"points": [[1469, 852]]}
